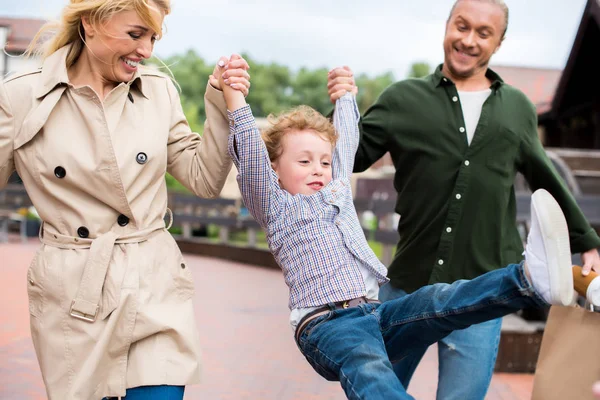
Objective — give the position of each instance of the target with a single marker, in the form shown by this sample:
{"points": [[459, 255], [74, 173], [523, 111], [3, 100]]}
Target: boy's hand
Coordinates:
{"points": [[339, 81], [234, 84], [233, 74]]}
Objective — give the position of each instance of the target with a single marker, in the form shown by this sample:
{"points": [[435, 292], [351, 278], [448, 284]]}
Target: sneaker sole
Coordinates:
{"points": [[555, 235]]}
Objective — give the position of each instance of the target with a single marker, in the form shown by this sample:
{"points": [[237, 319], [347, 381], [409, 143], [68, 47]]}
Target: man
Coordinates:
{"points": [[457, 139]]}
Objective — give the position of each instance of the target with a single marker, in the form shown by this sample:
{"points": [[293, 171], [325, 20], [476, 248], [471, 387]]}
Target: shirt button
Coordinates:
{"points": [[461, 129], [141, 158], [441, 262], [458, 196], [123, 220], [445, 80], [83, 232], [60, 172], [467, 163], [455, 99], [448, 229]]}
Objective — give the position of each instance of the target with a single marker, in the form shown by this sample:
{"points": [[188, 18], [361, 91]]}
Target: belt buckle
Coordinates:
{"points": [[82, 316], [345, 304]]}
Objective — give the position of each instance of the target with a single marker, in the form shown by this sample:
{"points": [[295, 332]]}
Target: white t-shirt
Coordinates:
{"points": [[472, 103]]}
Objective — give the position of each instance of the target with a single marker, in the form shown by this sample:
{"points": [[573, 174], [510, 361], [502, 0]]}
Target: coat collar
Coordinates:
{"points": [[54, 73]]}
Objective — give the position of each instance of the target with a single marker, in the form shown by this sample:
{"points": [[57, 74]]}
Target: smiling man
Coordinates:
{"points": [[457, 139]]}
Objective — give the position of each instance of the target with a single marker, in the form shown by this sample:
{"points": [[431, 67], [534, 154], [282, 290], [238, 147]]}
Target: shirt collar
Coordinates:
{"points": [[54, 73], [440, 80]]}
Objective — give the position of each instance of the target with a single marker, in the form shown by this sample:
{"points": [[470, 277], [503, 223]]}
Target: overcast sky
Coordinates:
{"points": [[370, 36]]}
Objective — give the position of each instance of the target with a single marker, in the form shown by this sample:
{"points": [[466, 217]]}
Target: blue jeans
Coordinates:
{"points": [[162, 392], [358, 345], [466, 357]]}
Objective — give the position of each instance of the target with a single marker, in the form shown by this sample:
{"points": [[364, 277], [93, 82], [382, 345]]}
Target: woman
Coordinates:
{"points": [[92, 134]]}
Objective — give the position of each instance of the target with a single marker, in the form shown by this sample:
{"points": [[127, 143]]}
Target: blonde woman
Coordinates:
{"points": [[92, 134]]}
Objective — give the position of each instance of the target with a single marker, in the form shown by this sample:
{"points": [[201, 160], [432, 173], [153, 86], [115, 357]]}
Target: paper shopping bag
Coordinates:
{"points": [[569, 359]]}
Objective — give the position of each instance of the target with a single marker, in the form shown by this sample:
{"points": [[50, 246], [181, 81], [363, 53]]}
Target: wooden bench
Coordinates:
{"points": [[190, 211]]}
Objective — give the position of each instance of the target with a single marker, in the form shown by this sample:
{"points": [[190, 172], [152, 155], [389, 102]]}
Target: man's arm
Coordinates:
{"points": [[372, 127], [539, 172]]}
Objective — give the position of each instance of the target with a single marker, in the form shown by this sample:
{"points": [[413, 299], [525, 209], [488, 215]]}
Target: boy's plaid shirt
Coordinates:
{"points": [[317, 240]]}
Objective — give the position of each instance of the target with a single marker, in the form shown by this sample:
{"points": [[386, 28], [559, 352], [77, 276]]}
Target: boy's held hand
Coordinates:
{"points": [[340, 80]]}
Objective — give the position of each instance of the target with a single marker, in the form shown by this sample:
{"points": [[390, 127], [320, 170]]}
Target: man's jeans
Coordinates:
{"points": [[358, 345], [466, 357]]}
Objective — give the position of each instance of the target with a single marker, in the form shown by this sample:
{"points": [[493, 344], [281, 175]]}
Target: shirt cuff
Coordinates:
{"points": [[241, 119]]}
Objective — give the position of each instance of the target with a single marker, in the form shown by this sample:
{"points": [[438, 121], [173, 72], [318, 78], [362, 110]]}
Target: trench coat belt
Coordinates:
{"points": [[86, 304]]}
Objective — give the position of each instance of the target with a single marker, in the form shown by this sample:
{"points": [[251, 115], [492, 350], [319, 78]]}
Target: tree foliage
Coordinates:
{"points": [[275, 87], [419, 70]]}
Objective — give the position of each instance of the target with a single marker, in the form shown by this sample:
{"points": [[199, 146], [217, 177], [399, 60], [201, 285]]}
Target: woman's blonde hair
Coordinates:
{"points": [[301, 118], [69, 29]]}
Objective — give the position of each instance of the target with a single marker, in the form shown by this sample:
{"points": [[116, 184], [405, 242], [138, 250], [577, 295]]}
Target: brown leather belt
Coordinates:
{"points": [[340, 305]]}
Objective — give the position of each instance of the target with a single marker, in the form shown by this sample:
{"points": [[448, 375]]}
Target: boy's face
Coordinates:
{"points": [[304, 166]]}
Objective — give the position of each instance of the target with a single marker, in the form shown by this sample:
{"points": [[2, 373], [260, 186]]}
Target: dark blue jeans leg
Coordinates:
{"points": [[405, 368], [161, 392], [347, 345], [432, 312]]}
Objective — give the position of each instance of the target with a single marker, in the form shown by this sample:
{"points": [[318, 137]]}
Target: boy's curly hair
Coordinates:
{"points": [[297, 119]]}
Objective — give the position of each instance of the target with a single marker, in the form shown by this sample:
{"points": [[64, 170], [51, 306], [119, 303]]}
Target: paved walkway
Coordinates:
{"points": [[249, 352]]}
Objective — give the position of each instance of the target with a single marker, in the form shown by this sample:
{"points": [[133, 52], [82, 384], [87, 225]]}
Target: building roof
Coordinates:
{"points": [[538, 84], [578, 85], [20, 33]]}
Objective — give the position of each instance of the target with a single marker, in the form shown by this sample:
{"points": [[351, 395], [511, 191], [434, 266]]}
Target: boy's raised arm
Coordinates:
{"points": [[345, 121], [256, 179]]}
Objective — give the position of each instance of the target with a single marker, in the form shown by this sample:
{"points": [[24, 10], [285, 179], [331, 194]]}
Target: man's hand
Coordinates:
{"points": [[339, 81], [590, 260]]}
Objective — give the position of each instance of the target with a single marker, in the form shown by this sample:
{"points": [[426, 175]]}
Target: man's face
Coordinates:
{"points": [[473, 34]]}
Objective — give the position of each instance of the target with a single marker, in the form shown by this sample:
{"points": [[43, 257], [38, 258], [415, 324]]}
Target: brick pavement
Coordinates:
{"points": [[249, 352]]}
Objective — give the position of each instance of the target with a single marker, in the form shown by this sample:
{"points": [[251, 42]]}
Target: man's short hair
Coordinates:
{"points": [[499, 3]]}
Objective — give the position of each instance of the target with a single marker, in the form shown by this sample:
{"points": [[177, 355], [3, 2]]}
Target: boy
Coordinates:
{"points": [[296, 184]]}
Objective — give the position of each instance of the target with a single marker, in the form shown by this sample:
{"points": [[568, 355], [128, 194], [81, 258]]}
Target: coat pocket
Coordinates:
{"points": [[35, 284], [181, 272]]}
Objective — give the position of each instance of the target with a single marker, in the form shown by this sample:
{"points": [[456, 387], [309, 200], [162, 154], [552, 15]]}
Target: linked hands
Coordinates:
{"points": [[339, 81], [231, 72]]}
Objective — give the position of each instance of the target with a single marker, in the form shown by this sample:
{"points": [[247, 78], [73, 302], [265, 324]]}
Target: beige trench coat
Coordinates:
{"points": [[95, 173]]}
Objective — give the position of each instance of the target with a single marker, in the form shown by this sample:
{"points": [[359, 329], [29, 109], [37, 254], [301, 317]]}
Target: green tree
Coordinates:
{"points": [[419, 70], [369, 89]]}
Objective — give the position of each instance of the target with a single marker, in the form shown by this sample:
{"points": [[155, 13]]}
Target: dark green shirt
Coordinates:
{"points": [[457, 202]]}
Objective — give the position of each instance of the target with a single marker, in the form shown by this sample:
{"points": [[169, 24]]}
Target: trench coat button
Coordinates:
{"points": [[141, 158], [123, 220], [60, 172], [83, 232], [182, 265]]}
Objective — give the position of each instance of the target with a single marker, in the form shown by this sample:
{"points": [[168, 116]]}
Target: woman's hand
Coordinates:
{"points": [[231, 72]]}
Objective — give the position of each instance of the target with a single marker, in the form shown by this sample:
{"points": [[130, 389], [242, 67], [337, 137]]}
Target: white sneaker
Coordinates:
{"points": [[548, 253]]}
